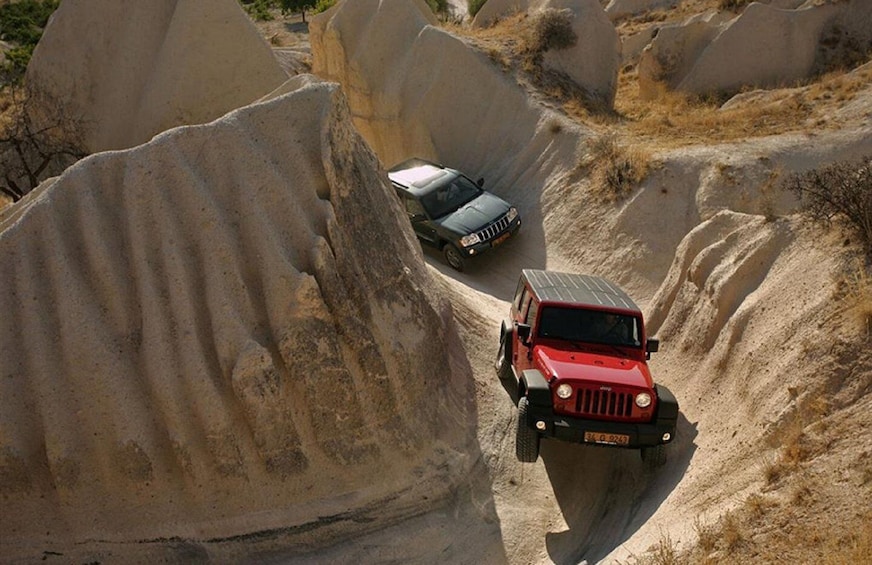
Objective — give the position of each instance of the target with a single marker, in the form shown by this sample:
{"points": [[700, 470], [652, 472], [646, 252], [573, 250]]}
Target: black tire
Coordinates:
{"points": [[453, 257], [654, 457], [527, 439], [504, 358]]}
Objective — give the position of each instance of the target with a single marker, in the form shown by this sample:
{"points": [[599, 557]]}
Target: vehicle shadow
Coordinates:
{"points": [[606, 494]]}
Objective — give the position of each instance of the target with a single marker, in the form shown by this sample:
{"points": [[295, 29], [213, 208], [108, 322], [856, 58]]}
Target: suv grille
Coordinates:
{"points": [[595, 402], [492, 230]]}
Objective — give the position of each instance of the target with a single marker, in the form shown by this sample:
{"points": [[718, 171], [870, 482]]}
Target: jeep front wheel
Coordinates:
{"points": [[527, 439], [453, 256], [504, 357]]}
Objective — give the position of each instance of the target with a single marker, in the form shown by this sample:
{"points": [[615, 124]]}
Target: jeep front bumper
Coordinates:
{"points": [[599, 432]]}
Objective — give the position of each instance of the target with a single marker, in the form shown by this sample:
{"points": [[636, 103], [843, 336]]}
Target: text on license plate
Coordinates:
{"points": [[608, 439], [500, 239]]}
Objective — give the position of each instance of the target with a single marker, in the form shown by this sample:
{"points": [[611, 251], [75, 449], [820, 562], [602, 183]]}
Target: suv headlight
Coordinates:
{"points": [[470, 239], [643, 400], [512, 214], [564, 391]]}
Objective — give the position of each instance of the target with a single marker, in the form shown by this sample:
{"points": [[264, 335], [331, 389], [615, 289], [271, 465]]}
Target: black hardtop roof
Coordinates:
{"points": [[573, 288]]}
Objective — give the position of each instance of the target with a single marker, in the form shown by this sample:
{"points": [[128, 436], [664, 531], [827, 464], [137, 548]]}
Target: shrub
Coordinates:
{"points": [[22, 23], [552, 29], [839, 192], [733, 5], [259, 10], [323, 6], [615, 169]]}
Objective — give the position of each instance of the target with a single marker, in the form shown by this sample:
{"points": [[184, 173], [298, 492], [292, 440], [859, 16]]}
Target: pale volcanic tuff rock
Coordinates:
{"points": [[129, 70], [223, 330], [766, 46], [417, 90], [593, 62]]}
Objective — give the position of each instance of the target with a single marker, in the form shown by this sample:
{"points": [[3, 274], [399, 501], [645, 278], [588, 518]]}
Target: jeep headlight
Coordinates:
{"points": [[512, 214], [470, 239], [643, 400], [564, 391]]}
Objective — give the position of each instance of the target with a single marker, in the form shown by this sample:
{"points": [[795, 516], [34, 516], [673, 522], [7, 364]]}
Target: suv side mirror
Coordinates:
{"points": [[524, 333], [480, 182], [651, 346]]}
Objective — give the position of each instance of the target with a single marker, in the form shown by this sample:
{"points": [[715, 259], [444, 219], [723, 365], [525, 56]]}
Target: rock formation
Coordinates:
{"points": [[129, 70], [194, 333], [765, 46]]}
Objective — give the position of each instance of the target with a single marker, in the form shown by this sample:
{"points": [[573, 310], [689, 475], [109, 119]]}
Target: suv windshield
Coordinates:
{"points": [[449, 196], [591, 326]]}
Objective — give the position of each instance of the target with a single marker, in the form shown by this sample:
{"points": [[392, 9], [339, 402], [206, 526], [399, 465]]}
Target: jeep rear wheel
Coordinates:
{"points": [[453, 256], [654, 457], [504, 357], [527, 439]]}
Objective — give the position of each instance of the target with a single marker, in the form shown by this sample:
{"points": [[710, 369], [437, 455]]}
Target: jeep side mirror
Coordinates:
{"points": [[652, 346], [524, 333], [480, 182]]}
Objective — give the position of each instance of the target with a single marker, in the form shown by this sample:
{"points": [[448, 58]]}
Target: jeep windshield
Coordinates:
{"points": [[450, 196], [589, 326]]}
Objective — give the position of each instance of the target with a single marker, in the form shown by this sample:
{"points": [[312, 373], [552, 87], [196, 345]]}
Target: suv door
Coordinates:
{"points": [[420, 222]]}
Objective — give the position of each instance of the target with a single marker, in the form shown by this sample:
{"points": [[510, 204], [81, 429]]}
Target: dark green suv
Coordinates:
{"points": [[450, 212]]}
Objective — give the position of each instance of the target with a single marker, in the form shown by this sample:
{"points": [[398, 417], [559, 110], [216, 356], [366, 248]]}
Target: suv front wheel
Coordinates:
{"points": [[527, 439], [453, 256]]}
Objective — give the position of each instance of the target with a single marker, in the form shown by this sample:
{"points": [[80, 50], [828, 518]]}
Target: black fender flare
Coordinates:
{"points": [[667, 404], [533, 385]]}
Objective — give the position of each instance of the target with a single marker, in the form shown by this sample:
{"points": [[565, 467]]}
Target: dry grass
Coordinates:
{"points": [[672, 119], [856, 292], [615, 169]]}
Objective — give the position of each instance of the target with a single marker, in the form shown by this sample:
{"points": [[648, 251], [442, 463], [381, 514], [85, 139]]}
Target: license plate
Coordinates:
{"points": [[500, 239], [608, 439]]}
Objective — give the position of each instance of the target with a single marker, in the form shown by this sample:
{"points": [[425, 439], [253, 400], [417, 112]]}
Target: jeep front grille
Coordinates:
{"points": [[595, 402], [495, 228]]}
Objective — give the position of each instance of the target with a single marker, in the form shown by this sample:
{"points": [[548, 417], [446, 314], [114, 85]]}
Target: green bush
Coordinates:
{"points": [[22, 24], [259, 10], [323, 6]]}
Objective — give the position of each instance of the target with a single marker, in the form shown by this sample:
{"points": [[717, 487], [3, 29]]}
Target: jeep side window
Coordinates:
{"points": [[520, 294], [531, 313]]}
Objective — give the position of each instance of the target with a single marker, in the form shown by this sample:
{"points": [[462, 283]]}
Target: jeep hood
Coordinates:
{"points": [[594, 365], [475, 214]]}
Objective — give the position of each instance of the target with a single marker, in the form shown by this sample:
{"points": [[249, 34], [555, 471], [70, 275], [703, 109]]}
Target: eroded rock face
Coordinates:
{"points": [[231, 319], [129, 70], [765, 46], [416, 90], [593, 62]]}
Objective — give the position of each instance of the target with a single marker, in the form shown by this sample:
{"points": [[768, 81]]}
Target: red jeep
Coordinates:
{"points": [[577, 346]]}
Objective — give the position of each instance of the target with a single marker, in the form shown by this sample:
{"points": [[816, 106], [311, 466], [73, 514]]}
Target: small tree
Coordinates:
{"points": [[290, 6], [838, 192], [31, 153]]}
